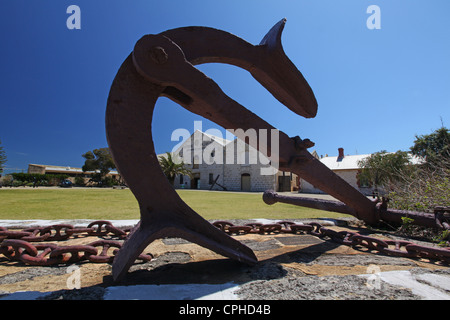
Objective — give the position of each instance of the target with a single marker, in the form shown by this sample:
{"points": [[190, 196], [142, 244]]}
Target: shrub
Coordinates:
{"points": [[109, 182], [79, 181], [423, 189], [41, 179], [16, 183]]}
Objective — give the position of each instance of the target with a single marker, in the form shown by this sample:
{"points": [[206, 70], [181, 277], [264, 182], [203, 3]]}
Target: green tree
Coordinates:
{"points": [[434, 147], [381, 169], [2, 158], [98, 159], [172, 168]]}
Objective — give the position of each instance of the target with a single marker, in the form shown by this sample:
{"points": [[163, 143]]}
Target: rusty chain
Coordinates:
{"points": [[17, 245], [398, 248]]}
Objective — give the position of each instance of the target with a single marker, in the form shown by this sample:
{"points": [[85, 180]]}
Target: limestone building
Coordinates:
{"points": [[221, 164], [203, 150]]}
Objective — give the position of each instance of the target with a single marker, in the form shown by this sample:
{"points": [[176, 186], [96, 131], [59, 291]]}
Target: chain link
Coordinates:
{"points": [[17, 245], [398, 248]]}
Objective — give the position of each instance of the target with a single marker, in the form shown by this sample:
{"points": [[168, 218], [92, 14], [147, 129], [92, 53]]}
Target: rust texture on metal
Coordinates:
{"points": [[397, 248], [438, 219], [15, 248], [19, 245], [164, 65]]}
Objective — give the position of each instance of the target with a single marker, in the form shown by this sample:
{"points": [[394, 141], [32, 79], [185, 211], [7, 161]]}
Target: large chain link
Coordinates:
{"points": [[17, 245], [398, 248]]}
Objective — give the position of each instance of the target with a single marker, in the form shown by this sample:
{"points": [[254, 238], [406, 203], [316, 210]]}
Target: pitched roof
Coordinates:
{"points": [[219, 140], [345, 163], [350, 162]]}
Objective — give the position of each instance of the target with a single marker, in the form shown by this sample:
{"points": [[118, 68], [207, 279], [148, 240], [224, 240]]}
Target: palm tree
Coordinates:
{"points": [[171, 168]]}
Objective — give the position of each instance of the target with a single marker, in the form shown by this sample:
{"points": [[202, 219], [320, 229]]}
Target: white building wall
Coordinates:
{"points": [[350, 176], [246, 161]]}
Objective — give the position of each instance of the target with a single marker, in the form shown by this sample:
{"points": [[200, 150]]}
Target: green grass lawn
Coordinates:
{"points": [[112, 204]]}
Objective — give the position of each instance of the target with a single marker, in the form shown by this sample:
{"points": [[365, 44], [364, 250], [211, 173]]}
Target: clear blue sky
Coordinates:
{"points": [[376, 89]]}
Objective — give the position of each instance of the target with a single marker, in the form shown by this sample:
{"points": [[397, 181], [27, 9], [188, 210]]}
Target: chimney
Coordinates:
{"points": [[341, 154]]}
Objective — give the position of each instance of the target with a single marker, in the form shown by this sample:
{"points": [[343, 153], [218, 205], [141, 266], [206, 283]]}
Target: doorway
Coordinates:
{"points": [[284, 183], [245, 182], [195, 181]]}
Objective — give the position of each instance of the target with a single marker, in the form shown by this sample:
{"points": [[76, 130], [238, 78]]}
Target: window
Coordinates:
{"points": [[211, 178], [181, 179]]}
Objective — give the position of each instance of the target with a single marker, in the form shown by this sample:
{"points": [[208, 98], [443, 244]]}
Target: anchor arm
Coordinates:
{"points": [[269, 65], [266, 62], [204, 97]]}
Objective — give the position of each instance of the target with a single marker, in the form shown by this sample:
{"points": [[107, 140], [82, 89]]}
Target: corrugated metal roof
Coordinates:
{"points": [[351, 162], [346, 163]]}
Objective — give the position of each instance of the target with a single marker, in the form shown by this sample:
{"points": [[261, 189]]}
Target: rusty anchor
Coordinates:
{"points": [[163, 65]]}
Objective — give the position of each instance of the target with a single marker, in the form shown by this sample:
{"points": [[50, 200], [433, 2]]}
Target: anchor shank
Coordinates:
{"points": [[163, 213]]}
